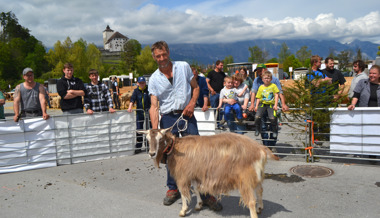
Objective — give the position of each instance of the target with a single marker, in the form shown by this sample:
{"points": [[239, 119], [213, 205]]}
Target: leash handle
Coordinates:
{"points": [[177, 123]]}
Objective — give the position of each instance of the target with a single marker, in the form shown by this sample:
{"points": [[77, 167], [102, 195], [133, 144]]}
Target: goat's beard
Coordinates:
{"points": [[158, 159]]}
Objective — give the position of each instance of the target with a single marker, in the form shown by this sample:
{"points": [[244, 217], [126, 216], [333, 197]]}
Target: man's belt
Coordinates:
{"points": [[176, 112], [32, 111]]}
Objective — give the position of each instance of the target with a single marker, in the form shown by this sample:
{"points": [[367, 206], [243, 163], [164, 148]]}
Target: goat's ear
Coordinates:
{"points": [[143, 132], [163, 131]]}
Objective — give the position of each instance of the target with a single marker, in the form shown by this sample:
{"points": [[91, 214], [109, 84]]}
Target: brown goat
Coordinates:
{"points": [[214, 165]]}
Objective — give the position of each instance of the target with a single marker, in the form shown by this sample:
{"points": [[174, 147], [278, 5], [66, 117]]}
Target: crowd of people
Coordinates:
{"points": [[176, 89]]}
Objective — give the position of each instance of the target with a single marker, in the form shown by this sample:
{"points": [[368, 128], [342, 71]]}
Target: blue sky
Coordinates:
{"points": [[195, 21]]}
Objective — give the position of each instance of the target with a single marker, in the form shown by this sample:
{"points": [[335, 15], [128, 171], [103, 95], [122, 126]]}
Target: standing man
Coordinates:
{"points": [[98, 98], [31, 95], [315, 79], [174, 86], [203, 90], [359, 67], [268, 139], [2, 102], [115, 93], [336, 77], [141, 97], [71, 90], [215, 83]]}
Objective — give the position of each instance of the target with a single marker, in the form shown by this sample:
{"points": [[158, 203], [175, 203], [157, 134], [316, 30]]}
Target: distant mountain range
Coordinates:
{"points": [[209, 53]]}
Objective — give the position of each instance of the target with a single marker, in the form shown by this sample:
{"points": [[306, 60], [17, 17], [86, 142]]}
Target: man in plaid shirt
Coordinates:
{"points": [[98, 97]]}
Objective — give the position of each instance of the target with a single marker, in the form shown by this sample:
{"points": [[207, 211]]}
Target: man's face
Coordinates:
{"points": [[374, 76], [318, 63], [330, 65], [356, 68], [260, 72], [94, 78], [220, 67], [29, 77], [161, 56], [68, 72], [195, 73]]}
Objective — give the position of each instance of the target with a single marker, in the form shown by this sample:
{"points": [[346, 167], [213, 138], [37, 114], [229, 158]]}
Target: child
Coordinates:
{"points": [[141, 97], [226, 94], [266, 100]]}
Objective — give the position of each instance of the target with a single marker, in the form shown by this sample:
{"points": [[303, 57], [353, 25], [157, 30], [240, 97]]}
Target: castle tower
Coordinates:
{"points": [[107, 33]]}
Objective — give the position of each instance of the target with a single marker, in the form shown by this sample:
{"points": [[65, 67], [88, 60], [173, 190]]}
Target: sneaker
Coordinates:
{"points": [[213, 204], [221, 128], [257, 132], [171, 197], [222, 122], [273, 149], [274, 134]]}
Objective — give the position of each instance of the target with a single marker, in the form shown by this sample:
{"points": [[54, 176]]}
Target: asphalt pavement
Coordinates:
{"points": [[132, 187]]}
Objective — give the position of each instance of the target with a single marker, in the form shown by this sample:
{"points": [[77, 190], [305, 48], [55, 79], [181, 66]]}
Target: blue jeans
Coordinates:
{"points": [[234, 127], [236, 107], [167, 120], [141, 118], [268, 139], [214, 103]]}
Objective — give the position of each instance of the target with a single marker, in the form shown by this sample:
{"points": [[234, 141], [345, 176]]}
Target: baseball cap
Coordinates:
{"points": [[141, 79], [261, 66], [26, 70]]}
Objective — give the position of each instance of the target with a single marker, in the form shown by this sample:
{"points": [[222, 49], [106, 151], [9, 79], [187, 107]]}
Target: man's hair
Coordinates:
{"points": [[68, 65], [327, 59], [314, 59], [360, 64], [218, 62], [377, 67], [194, 68], [227, 78], [238, 77], [160, 45], [93, 71], [267, 73]]}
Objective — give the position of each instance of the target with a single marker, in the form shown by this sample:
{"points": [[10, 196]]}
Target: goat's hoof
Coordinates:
{"points": [[182, 213], [258, 210], [198, 207]]}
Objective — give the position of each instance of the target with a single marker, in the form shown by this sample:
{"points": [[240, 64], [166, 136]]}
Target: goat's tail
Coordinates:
{"points": [[270, 154]]}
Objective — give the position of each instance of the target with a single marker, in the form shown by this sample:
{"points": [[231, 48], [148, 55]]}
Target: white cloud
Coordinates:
{"points": [[204, 22]]}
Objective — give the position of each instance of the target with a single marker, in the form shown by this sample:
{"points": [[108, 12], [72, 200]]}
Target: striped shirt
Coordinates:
{"points": [[176, 96], [98, 98]]}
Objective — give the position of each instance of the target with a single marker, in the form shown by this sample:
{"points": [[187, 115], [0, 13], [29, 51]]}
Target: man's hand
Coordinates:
{"points": [[205, 108], [252, 107], [16, 118], [129, 110], [189, 110], [285, 107], [45, 116], [111, 110], [89, 111]]}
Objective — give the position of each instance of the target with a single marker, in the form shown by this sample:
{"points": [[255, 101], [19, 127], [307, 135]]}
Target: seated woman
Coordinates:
{"points": [[242, 100], [367, 91]]}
